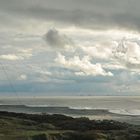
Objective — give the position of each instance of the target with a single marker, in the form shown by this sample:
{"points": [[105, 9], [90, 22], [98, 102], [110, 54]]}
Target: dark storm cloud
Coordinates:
{"points": [[86, 13], [55, 39]]}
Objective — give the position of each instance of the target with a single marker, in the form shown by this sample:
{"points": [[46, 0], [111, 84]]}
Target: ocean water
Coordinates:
{"points": [[121, 108]]}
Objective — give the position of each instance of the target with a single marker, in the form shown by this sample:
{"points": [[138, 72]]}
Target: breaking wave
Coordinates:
{"points": [[134, 112], [71, 109]]}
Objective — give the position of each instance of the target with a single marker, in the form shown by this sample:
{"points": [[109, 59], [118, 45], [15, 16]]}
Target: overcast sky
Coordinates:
{"points": [[69, 47]]}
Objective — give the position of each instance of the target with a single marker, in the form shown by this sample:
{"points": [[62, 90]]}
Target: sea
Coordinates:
{"points": [[119, 108]]}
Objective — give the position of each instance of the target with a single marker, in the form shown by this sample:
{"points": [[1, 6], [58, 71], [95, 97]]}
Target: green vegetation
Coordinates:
{"points": [[18, 126]]}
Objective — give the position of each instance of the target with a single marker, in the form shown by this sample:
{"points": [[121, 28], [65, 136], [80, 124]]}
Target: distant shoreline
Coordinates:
{"points": [[119, 108], [71, 96], [92, 114], [88, 111]]}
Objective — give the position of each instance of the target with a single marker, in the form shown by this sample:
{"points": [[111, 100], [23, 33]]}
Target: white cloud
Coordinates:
{"points": [[25, 53], [133, 52], [96, 57], [100, 50], [41, 70], [11, 57], [128, 54], [14, 57], [114, 66], [82, 66], [22, 77], [17, 54], [113, 52]]}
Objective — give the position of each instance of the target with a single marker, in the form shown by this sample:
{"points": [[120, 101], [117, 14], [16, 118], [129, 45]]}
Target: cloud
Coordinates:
{"points": [[11, 57], [128, 53], [23, 77], [55, 39], [82, 66], [90, 14], [41, 70], [14, 57], [98, 41], [100, 49], [25, 53], [114, 53]]}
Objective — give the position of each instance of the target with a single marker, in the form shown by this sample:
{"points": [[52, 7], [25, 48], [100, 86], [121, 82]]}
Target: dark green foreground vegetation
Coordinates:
{"points": [[17, 126]]}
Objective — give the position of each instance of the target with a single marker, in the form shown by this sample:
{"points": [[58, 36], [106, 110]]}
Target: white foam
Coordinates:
{"points": [[81, 108], [132, 112], [37, 105]]}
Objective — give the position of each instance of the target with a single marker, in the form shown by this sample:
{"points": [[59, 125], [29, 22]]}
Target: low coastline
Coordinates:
{"points": [[21, 126], [91, 113]]}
